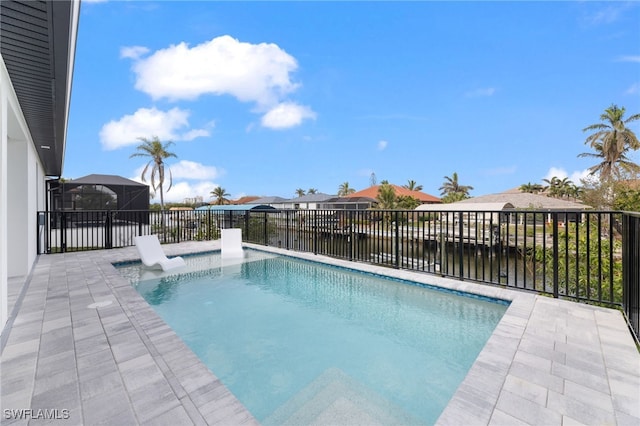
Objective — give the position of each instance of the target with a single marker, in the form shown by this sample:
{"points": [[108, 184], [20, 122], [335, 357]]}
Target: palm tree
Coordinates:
{"points": [[312, 191], [531, 188], [386, 196], [220, 195], [608, 167], [412, 186], [559, 188], [575, 192], [452, 186], [157, 151], [300, 192], [454, 197], [552, 186], [611, 140], [344, 189], [407, 202], [565, 187]]}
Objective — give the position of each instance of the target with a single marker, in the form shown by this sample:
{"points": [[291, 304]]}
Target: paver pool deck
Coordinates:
{"points": [[81, 343]]}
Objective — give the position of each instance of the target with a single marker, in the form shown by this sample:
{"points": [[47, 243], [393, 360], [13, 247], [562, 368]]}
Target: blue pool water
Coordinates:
{"points": [[300, 342]]}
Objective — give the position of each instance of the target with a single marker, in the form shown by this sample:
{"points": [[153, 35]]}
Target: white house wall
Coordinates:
{"points": [[17, 192], [21, 192], [4, 241]]}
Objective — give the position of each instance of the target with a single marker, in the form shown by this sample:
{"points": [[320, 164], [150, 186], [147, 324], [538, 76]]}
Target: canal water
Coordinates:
{"points": [[481, 263]]}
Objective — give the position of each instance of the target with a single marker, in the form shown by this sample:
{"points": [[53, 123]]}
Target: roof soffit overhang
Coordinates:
{"points": [[37, 43]]}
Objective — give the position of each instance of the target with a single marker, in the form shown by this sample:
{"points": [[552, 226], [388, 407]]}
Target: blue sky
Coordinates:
{"points": [[263, 98]]}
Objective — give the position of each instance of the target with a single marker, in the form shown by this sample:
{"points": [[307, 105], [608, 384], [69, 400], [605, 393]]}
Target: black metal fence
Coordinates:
{"points": [[591, 257], [631, 270]]}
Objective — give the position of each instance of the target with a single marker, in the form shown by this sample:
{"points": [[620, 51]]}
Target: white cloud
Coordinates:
{"points": [[146, 123], [201, 184], [560, 173], [633, 89], [476, 93], [133, 52], [186, 169], [137, 175], [577, 176], [181, 190], [286, 115], [193, 134], [629, 58], [382, 145], [222, 66], [607, 15]]}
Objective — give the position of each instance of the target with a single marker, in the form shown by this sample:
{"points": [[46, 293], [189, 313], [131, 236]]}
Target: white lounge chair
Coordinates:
{"points": [[152, 255], [232, 243]]}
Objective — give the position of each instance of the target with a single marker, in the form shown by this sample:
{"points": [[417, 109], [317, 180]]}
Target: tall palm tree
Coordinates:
{"points": [[344, 189], [300, 192], [452, 186], [608, 167], [611, 140], [157, 151], [412, 185], [312, 191], [220, 194]]}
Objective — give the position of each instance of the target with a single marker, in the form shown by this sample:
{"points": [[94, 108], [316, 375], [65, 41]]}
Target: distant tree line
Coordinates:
{"points": [[613, 182]]}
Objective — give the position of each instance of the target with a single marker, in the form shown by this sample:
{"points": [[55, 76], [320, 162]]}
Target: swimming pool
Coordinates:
{"points": [[300, 342]]}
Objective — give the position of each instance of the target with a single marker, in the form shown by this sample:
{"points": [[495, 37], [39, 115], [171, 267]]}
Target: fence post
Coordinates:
{"points": [[351, 235], [47, 231], [631, 271], [554, 218], [396, 247], [38, 227], [460, 246], [63, 232], [247, 218], [265, 236], [315, 232], [108, 231], [286, 225]]}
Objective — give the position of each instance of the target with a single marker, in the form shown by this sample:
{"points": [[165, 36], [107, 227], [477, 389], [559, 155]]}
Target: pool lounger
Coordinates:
{"points": [[152, 255], [231, 241]]}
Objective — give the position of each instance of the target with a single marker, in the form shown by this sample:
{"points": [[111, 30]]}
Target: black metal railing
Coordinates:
{"points": [[591, 256], [631, 270], [63, 231]]}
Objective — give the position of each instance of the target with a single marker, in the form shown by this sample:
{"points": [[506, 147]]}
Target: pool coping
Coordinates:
{"points": [[548, 361]]}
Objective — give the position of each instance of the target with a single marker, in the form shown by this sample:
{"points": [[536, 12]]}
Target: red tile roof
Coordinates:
{"points": [[244, 200], [372, 192]]}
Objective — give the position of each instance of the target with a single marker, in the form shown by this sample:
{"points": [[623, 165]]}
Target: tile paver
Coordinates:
{"points": [[82, 339]]}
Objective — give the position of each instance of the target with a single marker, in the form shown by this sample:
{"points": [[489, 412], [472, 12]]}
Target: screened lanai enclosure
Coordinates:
{"points": [[94, 207], [98, 192]]}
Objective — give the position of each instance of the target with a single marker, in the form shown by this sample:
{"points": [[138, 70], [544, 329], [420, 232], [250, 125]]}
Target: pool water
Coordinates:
{"points": [[301, 342]]}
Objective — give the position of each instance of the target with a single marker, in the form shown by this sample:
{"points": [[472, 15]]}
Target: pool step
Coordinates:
{"points": [[334, 398]]}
